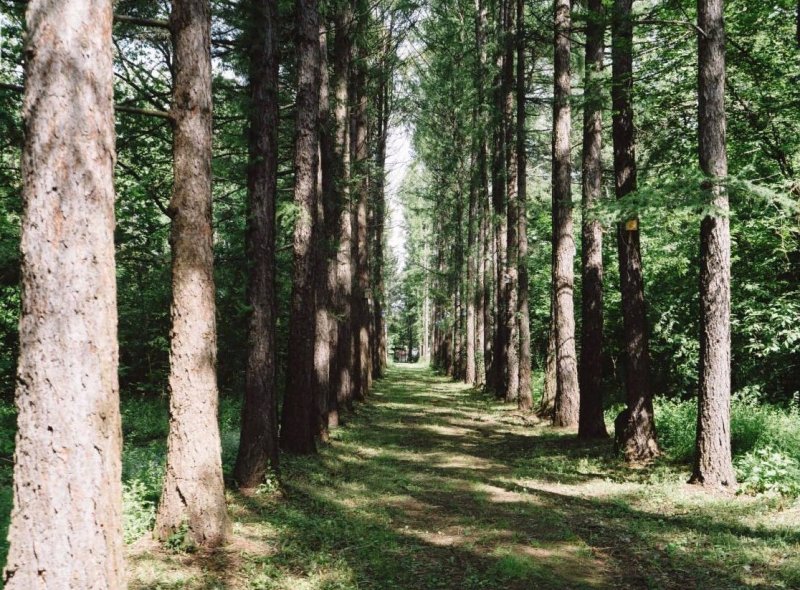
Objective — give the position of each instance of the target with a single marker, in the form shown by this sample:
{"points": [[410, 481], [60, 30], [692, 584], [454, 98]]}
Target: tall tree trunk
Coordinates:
{"points": [[510, 293], [591, 422], [379, 357], [360, 155], [525, 398], [483, 292], [713, 466], [567, 394], [324, 255], [500, 348], [258, 442], [193, 494], [490, 294], [470, 365], [639, 436], [342, 372], [66, 523], [299, 410]]}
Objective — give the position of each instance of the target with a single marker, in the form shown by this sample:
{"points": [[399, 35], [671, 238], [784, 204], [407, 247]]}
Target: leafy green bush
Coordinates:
{"points": [[139, 510], [142, 474], [676, 424], [768, 471], [145, 419], [765, 441]]}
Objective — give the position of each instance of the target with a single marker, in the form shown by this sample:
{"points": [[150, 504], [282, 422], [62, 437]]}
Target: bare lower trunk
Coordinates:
{"points": [[639, 438], [525, 398], [483, 339], [258, 443], [713, 466], [66, 523], [193, 494], [379, 335], [341, 373], [324, 256], [361, 294], [299, 416], [499, 348], [510, 294], [567, 393], [591, 423], [470, 366]]}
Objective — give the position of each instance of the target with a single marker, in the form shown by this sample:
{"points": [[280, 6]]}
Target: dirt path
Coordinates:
{"points": [[434, 485]]}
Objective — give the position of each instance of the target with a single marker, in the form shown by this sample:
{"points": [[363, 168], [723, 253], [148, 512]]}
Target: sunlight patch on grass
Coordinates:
{"points": [[433, 485]]}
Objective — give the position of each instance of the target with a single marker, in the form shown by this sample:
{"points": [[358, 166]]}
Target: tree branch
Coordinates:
{"points": [[141, 22]]}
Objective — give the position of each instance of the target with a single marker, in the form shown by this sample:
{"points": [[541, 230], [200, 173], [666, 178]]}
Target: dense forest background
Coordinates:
{"points": [[763, 143]]}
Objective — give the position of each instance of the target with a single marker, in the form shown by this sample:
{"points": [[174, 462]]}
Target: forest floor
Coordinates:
{"points": [[432, 484]]}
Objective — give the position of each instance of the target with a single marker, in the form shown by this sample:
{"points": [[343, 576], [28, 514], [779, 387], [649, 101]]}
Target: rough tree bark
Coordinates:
{"points": [[483, 339], [324, 256], [639, 436], [193, 494], [66, 523], [379, 211], [499, 348], [567, 393], [298, 421], [525, 397], [360, 243], [510, 293], [470, 366], [591, 423], [341, 374], [258, 442], [712, 465]]}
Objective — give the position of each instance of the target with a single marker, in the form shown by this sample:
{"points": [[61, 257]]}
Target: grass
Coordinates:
{"points": [[434, 485]]}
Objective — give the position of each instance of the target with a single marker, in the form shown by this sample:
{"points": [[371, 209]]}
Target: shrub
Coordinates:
{"points": [[765, 440], [768, 471]]}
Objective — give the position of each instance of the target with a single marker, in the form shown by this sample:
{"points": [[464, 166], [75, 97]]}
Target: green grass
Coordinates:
{"points": [[434, 485]]}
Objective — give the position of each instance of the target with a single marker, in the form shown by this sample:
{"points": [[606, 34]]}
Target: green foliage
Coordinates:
{"points": [[768, 471], [139, 510], [142, 476], [180, 541], [765, 441]]}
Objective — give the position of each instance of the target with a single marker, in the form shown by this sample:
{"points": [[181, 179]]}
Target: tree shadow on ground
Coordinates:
{"points": [[433, 485]]}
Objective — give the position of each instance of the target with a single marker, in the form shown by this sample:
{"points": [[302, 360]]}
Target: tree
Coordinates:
{"points": [[341, 389], [258, 443], [299, 411], [525, 399], [66, 523], [385, 75], [324, 255], [639, 436], [713, 465], [511, 282], [193, 492], [483, 344], [499, 208], [362, 376], [567, 393], [591, 423]]}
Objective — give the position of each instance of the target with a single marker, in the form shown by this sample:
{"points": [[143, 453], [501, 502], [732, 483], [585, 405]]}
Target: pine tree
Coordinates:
{"points": [[66, 522]]}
